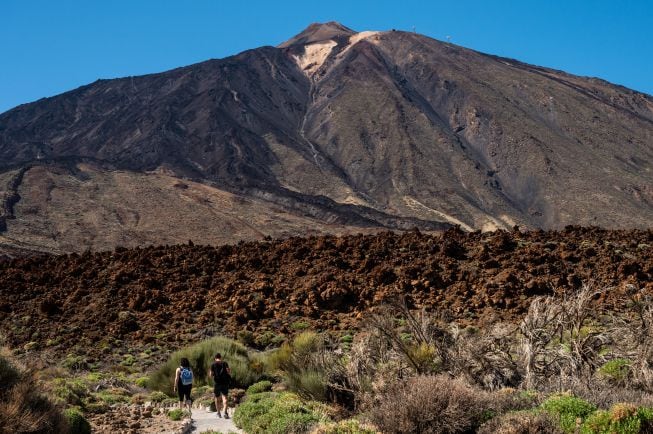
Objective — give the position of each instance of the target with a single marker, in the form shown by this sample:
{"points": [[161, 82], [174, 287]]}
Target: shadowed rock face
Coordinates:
{"points": [[371, 129]]}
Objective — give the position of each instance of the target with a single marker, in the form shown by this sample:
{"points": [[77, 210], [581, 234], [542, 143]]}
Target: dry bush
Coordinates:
{"points": [[523, 422], [563, 337], [568, 339], [633, 337], [431, 404], [313, 368], [22, 408], [485, 357], [436, 345], [429, 348]]}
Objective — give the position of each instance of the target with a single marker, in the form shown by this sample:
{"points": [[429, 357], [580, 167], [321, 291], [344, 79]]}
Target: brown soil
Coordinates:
{"points": [[174, 295]]}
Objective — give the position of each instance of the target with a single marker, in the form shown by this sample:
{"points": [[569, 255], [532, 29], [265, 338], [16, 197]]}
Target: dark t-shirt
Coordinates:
{"points": [[220, 373]]}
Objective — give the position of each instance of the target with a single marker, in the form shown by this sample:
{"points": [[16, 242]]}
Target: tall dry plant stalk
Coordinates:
{"points": [[633, 336], [563, 337], [437, 345]]}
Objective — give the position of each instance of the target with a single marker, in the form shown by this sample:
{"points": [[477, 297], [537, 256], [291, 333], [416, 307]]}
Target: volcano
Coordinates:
{"points": [[332, 131]]}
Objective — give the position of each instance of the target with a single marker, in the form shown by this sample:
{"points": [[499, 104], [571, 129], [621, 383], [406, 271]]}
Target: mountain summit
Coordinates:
{"points": [[318, 32], [332, 131]]}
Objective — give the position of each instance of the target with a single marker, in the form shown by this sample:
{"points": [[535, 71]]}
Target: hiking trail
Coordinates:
{"points": [[203, 421]]}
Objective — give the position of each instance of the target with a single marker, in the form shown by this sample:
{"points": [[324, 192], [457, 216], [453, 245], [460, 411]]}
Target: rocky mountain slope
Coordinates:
{"points": [[338, 130], [166, 297]]}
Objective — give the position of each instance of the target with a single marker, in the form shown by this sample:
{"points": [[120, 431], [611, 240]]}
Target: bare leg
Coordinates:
{"points": [[224, 404], [217, 404]]}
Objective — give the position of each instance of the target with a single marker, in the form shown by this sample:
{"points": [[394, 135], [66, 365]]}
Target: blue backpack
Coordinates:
{"points": [[186, 376]]}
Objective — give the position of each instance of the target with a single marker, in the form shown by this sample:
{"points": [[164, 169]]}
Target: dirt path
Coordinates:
{"points": [[209, 421]]}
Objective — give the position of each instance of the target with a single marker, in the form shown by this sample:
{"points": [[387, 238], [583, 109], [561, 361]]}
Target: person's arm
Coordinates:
{"points": [[211, 371], [174, 386], [228, 369]]}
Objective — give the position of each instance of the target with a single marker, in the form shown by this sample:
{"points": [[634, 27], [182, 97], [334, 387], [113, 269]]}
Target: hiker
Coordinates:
{"points": [[184, 383], [221, 374]]}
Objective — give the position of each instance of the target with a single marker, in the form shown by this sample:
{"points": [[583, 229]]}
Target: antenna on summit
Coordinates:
{"points": [[414, 29], [448, 38]]}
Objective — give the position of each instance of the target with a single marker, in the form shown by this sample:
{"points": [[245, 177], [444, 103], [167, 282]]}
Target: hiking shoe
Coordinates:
{"points": [[226, 415], [218, 413]]}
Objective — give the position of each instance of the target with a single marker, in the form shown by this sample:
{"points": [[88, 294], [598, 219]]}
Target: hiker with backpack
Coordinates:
{"points": [[184, 383], [221, 374]]}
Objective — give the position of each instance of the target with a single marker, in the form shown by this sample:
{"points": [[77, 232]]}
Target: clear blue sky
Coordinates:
{"points": [[50, 46]]}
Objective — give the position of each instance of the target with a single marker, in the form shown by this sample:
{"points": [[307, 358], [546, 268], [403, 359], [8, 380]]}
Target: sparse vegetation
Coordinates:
{"points": [[22, 407], [280, 413], [177, 414], [570, 411], [244, 371], [260, 387], [77, 422]]}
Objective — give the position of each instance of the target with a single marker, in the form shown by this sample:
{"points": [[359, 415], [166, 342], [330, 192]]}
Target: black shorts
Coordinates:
{"points": [[184, 392], [220, 389]]}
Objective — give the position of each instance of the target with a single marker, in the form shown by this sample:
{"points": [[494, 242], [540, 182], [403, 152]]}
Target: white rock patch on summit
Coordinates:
{"points": [[362, 35], [314, 56], [355, 39]]}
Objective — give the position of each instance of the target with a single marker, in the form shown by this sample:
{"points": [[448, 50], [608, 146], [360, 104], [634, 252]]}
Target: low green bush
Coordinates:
{"points": [[303, 365], [269, 339], [616, 371], [158, 396], [260, 387], [277, 413], [77, 422], [69, 391], [176, 414], [569, 410], [201, 355], [75, 362], [621, 419], [142, 382]]}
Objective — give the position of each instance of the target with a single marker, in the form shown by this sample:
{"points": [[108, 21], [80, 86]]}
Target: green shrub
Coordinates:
{"points": [[71, 392], [260, 387], [142, 382], [113, 396], [300, 325], [303, 364], [308, 383], [245, 337], [616, 371], [347, 339], [176, 414], [271, 412], [269, 339], [78, 424], [568, 409], [158, 396], [75, 363], [201, 355], [621, 419]]}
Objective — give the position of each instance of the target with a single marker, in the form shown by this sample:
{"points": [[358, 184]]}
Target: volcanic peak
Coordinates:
{"points": [[318, 32]]}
